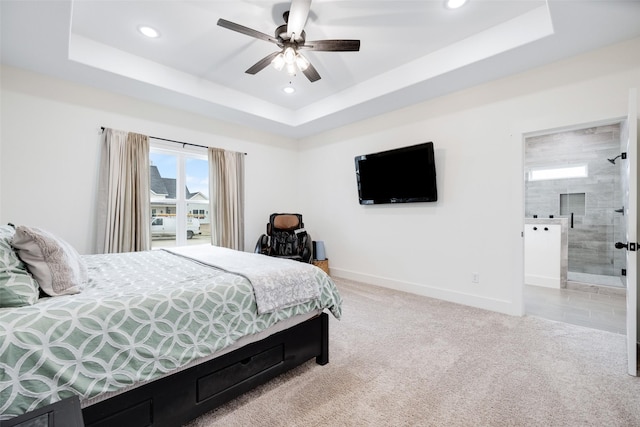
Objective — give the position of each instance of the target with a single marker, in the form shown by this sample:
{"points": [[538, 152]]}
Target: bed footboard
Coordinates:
{"points": [[183, 396]]}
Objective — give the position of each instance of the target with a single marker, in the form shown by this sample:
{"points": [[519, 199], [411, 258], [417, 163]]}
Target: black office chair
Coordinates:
{"points": [[286, 238]]}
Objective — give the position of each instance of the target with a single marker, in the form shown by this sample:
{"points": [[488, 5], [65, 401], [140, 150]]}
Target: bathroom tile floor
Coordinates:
{"points": [[602, 311]]}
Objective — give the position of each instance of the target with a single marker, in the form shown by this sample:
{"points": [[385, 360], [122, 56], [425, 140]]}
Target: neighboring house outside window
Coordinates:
{"points": [[179, 217]]}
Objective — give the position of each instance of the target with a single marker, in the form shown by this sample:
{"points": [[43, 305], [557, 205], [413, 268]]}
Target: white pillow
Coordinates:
{"points": [[55, 264]]}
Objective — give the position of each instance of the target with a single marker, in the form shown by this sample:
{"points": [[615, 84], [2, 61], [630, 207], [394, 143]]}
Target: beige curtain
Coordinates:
{"points": [[226, 181], [124, 215]]}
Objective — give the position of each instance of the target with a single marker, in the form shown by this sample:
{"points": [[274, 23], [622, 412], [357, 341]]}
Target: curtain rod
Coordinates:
{"points": [[174, 141]]}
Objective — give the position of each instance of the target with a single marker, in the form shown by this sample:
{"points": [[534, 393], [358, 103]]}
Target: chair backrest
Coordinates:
{"points": [[288, 238]]}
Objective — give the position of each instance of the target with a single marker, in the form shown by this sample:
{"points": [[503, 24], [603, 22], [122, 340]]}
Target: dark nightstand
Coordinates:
{"points": [[65, 413]]}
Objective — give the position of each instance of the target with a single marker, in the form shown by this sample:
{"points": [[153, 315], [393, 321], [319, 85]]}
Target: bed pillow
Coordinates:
{"points": [[17, 286], [55, 264]]}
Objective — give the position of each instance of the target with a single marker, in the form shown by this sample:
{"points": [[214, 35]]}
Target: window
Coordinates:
{"points": [[575, 171], [179, 196]]}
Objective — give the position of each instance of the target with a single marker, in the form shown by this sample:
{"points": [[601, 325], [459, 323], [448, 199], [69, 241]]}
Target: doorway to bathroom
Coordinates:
{"points": [[575, 178]]}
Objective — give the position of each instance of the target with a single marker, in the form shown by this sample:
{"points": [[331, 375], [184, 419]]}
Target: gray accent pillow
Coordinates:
{"points": [[55, 264], [17, 287]]}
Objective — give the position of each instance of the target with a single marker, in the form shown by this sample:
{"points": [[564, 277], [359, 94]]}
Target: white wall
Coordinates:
{"points": [[50, 154], [50, 158], [434, 248]]}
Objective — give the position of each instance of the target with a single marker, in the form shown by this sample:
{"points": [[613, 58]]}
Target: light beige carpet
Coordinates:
{"points": [[398, 359]]}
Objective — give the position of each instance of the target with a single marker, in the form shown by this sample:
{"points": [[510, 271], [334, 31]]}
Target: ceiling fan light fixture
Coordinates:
{"points": [[302, 62], [278, 62], [454, 4], [291, 69], [289, 55]]}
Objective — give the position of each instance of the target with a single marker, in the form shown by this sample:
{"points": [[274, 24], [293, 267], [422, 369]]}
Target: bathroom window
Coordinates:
{"points": [[574, 171], [572, 203]]}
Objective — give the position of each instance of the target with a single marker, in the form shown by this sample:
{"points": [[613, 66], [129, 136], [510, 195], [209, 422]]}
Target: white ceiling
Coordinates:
{"points": [[410, 51]]}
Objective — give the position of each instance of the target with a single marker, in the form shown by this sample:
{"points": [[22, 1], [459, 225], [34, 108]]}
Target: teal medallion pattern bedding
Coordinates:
{"points": [[141, 316], [277, 282], [17, 286]]}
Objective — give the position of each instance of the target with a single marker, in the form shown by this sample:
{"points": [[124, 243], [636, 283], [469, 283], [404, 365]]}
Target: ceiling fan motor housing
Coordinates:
{"points": [[281, 33]]}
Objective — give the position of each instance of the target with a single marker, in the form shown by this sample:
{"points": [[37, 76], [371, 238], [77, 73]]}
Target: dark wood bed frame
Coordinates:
{"points": [[183, 396]]}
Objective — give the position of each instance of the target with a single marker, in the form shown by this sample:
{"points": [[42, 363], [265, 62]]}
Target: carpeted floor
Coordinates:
{"points": [[398, 359]]}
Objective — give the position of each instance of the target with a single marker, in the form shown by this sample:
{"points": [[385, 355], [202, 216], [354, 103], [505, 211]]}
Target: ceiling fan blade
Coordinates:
{"points": [[246, 30], [298, 15], [262, 64], [332, 45], [311, 73]]}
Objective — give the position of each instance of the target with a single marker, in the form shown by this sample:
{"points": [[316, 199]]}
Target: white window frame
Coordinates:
{"points": [[560, 172], [181, 153]]}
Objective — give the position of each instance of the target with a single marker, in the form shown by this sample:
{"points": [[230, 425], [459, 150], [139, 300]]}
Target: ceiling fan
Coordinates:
{"points": [[290, 38]]}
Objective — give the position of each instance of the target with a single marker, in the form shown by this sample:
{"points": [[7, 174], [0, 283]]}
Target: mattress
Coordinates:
{"points": [[142, 316]]}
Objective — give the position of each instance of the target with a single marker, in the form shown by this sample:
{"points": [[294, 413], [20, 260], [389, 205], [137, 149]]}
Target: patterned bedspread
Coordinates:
{"points": [[277, 282], [142, 315]]}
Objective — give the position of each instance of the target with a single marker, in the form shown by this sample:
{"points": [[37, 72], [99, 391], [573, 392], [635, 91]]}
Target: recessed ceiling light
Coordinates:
{"points": [[148, 31], [454, 4], [289, 89]]}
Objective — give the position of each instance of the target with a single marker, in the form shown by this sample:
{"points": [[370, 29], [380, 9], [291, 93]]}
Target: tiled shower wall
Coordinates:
{"points": [[594, 233]]}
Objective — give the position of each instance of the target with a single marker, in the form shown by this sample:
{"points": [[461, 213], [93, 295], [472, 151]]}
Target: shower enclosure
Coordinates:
{"points": [[578, 175]]}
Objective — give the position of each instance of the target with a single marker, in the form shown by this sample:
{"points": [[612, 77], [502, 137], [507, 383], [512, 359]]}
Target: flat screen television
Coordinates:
{"points": [[402, 175]]}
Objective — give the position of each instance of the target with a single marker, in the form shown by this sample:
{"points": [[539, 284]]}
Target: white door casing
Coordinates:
{"points": [[631, 198]]}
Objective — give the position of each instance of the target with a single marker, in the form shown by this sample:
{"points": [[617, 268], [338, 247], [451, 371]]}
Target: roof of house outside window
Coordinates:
{"points": [[167, 186]]}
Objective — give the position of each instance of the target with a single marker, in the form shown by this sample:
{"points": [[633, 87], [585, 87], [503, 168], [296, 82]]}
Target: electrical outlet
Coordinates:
{"points": [[475, 277]]}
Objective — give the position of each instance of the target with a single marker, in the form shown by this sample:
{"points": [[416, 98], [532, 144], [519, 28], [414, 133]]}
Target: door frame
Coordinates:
{"points": [[631, 131], [633, 340]]}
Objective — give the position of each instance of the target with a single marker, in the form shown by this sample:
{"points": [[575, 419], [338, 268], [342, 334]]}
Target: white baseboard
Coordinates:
{"points": [[491, 304], [547, 282]]}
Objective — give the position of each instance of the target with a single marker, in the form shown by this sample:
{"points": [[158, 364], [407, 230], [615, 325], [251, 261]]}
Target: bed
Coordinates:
{"points": [[160, 337]]}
